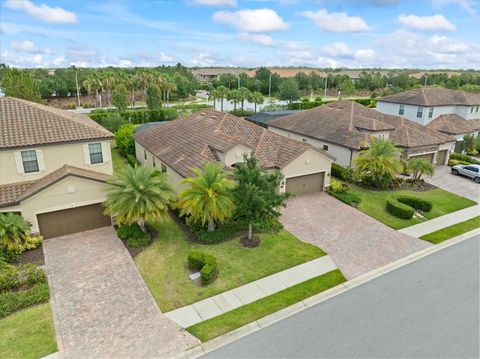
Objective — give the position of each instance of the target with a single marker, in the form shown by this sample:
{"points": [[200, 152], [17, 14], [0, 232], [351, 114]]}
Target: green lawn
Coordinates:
{"points": [[452, 231], [28, 333], [118, 160], [236, 318], [163, 264], [373, 203]]}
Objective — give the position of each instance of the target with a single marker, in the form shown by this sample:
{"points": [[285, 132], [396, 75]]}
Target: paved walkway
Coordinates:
{"points": [[356, 242], [102, 308], [248, 293], [446, 220], [462, 186]]}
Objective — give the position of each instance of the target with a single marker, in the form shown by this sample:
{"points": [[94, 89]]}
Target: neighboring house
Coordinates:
{"points": [[178, 146], [53, 167], [209, 74], [344, 128]]}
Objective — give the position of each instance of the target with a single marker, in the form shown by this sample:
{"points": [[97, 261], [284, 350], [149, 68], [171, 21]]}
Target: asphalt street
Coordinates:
{"points": [[426, 309]]}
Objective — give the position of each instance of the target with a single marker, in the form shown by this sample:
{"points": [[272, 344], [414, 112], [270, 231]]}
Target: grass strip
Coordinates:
{"points": [[239, 317], [452, 231]]}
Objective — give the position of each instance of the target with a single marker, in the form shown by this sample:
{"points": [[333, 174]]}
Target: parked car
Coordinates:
{"points": [[472, 171]]}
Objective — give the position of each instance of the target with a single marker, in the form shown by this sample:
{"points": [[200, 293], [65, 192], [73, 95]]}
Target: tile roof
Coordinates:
{"points": [[452, 124], [433, 96], [24, 123], [346, 122], [191, 141], [14, 193]]}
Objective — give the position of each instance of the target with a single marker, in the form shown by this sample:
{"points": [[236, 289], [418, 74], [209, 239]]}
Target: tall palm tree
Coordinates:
{"points": [[139, 194], [257, 98], [243, 94], [381, 160], [93, 83], [14, 229], [145, 79], [169, 86], [233, 96], [109, 78], [420, 167], [222, 92], [209, 199]]}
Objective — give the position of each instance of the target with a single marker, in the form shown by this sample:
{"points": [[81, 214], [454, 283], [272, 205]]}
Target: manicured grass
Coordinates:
{"points": [[373, 203], [452, 231], [163, 264], [28, 333], [118, 160], [236, 318]]}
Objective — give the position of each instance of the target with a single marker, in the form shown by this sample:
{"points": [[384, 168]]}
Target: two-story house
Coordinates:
{"points": [[453, 112], [53, 167]]}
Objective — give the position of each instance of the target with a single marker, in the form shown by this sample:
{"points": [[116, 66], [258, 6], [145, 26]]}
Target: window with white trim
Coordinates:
{"points": [[30, 161], [95, 151], [401, 110], [430, 112], [419, 111], [163, 168], [325, 147]]}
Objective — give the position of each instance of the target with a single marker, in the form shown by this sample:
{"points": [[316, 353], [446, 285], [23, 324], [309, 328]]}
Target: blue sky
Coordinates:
{"points": [[323, 33]]}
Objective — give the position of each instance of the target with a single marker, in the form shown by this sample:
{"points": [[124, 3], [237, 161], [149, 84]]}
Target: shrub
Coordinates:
{"points": [[138, 242], [205, 263], [130, 231], [124, 139], [138, 116], [416, 202], [29, 243], [465, 159], [8, 255], [132, 160], [8, 276], [29, 274], [398, 209], [339, 187], [13, 301], [452, 163], [226, 230], [348, 198], [113, 122], [337, 171]]}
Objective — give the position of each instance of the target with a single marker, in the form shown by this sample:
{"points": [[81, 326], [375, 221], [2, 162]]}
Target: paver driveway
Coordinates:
{"points": [[356, 242], [462, 186], [102, 307]]}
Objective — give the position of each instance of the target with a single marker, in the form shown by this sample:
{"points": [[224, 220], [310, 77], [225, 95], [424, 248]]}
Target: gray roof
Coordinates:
{"points": [[264, 117], [148, 125], [433, 96]]}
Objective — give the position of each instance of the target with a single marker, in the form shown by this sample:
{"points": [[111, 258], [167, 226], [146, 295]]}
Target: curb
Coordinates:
{"points": [[270, 319]]}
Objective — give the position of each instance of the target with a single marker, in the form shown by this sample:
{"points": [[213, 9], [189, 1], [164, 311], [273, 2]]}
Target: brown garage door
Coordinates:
{"points": [[305, 184], [428, 157], [67, 221], [441, 157]]}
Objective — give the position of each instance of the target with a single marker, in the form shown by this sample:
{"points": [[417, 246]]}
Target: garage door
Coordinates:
{"points": [[428, 157], [305, 184], [441, 157], [73, 220]]}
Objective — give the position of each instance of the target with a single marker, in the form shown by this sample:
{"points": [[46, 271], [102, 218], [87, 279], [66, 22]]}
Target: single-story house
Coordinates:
{"points": [[344, 128], [178, 146]]}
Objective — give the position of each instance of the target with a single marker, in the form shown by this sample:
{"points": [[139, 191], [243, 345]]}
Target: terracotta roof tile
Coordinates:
{"points": [[433, 96], [452, 124], [24, 123]]}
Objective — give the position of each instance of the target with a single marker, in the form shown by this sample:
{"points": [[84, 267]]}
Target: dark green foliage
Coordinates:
{"points": [[416, 202], [24, 275], [127, 231], [138, 242], [132, 160], [8, 276], [398, 209], [205, 263], [139, 116], [288, 90], [222, 232], [241, 113], [311, 104], [13, 301], [120, 97], [153, 98], [124, 139], [465, 158], [20, 84], [346, 197], [337, 171], [112, 121], [8, 255]]}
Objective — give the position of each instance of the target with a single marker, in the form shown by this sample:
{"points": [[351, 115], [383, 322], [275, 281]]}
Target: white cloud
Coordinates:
{"points": [[82, 54], [427, 23], [203, 59], [443, 44], [260, 39], [336, 21], [338, 49], [258, 20], [466, 5], [43, 12], [364, 54], [215, 2], [26, 46], [58, 61]]}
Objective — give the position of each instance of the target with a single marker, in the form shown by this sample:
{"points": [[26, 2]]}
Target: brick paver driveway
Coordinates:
{"points": [[102, 307], [462, 186], [356, 242]]}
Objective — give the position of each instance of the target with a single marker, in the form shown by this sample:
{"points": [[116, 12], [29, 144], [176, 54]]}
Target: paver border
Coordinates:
{"points": [[261, 323]]}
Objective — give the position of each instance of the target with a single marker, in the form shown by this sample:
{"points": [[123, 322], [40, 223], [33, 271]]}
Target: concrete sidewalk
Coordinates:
{"points": [[447, 220], [248, 293]]}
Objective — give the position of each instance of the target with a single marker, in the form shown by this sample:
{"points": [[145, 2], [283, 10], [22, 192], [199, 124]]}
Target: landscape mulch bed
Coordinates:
{"points": [[32, 256]]}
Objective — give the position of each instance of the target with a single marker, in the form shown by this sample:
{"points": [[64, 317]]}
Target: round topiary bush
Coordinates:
{"points": [[416, 202], [398, 209]]}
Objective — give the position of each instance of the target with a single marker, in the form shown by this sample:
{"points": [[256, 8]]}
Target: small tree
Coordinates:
{"points": [[469, 144], [139, 194], [257, 98], [288, 90], [243, 94], [209, 198], [256, 195], [14, 229], [124, 139], [346, 88], [153, 98], [113, 122], [419, 167], [222, 93], [120, 97]]}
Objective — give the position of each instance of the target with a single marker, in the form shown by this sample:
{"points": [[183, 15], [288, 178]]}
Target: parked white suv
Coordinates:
{"points": [[472, 171]]}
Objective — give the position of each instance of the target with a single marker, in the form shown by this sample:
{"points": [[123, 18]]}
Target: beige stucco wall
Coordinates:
{"points": [[173, 177], [235, 154], [308, 162], [54, 157], [70, 192]]}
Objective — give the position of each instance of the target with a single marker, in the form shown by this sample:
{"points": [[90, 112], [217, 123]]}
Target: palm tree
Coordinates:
{"points": [[420, 167], [169, 86], [381, 160], [233, 96], [139, 194], [243, 94], [145, 79], [14, 229], [209, 198], [257, 98], [222, 92], [92, 84], [108, 79]]}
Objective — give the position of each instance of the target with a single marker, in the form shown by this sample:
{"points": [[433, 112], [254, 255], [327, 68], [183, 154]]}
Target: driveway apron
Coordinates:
{"points": [[462, 186], [356, 242], [102, 307]]}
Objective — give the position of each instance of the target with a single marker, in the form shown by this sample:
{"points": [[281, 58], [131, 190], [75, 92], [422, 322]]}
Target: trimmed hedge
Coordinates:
{"points": [[337, 171], [416, 202], [127, 231], [398, 209], [12, 301], [306, 105], [138, 116], [348, 197], [205, 263], [464, 158], [24, 275]]}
